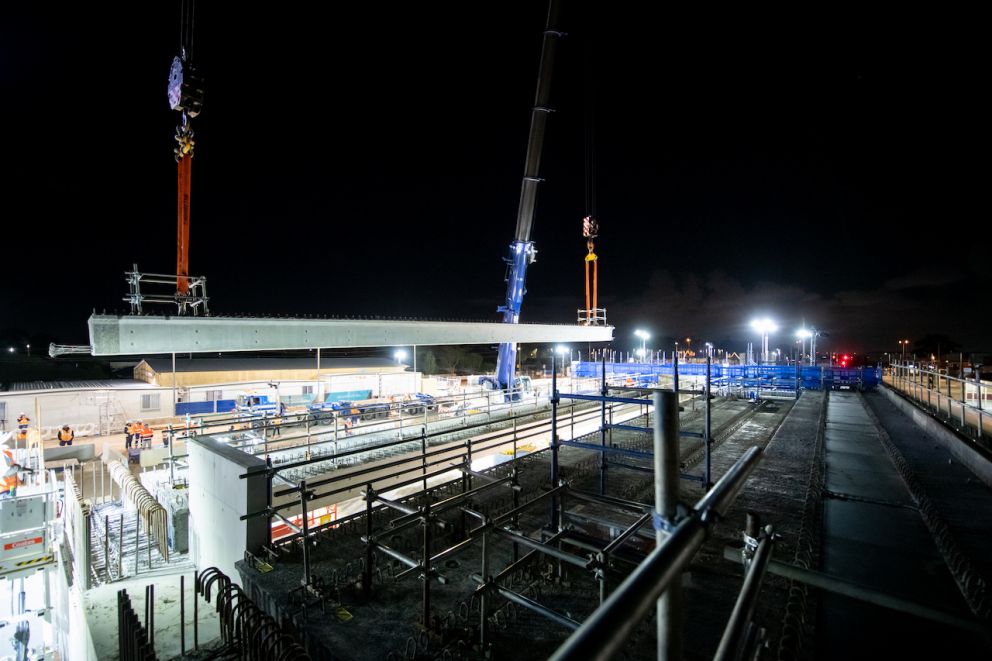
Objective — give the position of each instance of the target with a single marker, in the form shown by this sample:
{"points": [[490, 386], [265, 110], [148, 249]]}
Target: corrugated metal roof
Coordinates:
{"points": [[95, 384], [164, 365]]}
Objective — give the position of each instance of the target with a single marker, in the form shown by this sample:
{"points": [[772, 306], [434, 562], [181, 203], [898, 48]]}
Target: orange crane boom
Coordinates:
{"points": [[185, 170], [186, 97]]}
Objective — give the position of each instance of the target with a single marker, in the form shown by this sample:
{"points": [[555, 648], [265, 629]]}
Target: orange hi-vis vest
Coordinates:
{"points": [[65, 435], [8, 483]]}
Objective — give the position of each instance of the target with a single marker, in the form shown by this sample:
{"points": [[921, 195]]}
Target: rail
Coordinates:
{"points": [[963, 403]]}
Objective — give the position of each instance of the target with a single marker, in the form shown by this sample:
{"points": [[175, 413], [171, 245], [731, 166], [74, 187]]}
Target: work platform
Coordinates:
{"points": [[112, 335]]}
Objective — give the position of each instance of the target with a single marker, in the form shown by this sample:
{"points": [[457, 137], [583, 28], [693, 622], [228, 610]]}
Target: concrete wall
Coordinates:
{"points": [[964, 450], [218, 498]]}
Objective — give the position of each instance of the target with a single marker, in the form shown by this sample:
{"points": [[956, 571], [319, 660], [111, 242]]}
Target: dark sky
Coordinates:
{"points": [[367, 160]]}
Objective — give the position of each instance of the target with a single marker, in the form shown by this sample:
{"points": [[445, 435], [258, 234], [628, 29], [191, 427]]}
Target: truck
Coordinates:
{"points": [[419, 404], [323, 413], [253, 406]]}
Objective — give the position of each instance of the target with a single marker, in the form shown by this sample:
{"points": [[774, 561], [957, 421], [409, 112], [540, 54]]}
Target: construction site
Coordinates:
{"points": [[275, 487]]}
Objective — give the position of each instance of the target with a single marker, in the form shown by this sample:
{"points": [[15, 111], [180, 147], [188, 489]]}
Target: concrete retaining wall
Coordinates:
{"points": [[217, 500], [976, 459]]}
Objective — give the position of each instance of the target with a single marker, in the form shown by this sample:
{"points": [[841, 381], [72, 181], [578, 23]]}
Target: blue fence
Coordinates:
{"points": [[772, 377], [203, 408]]}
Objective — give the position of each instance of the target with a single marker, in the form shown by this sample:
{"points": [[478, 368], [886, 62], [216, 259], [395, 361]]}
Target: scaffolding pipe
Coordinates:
{"points": [[547, 549], [731, 646], [666, 498], [604, 391], [396, 555], [530, 604], [426, 556], [708, 425], [627, 534], [841, 586], [554, 442], [605, 632]]}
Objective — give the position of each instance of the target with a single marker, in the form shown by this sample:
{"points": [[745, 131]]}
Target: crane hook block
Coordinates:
{"points": [[590, 227], [185, 88]]}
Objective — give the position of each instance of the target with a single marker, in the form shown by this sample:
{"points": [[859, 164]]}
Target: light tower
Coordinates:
{"points": [[645, 336], [802, 334], [765, 326]]}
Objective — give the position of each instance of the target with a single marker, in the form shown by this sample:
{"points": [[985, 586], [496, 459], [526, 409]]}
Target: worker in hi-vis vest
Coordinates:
{"points": [[66, 435], [10, 477]]}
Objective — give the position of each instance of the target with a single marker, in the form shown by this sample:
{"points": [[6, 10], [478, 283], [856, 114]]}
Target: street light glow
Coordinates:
{"points": [[764, 325], [802, 334], [561, 349], [644, 335], [399, 354]]}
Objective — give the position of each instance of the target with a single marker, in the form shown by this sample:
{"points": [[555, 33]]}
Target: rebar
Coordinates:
{"points": [[153, 515]]}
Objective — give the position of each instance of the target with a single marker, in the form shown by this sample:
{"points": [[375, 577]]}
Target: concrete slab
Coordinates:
{"points": [[868, 484], [878, 545]]}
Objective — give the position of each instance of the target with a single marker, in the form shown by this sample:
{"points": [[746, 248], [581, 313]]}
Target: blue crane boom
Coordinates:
{"points": [[522, 251]]}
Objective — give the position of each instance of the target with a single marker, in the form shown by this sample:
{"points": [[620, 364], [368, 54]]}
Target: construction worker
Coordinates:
{"points": [[128, 433], [147, 434], [22, 422], [10, 477], [65, 436]]}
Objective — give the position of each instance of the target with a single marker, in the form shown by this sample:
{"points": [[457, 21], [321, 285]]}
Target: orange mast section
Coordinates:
{"points": [[185, 169]]}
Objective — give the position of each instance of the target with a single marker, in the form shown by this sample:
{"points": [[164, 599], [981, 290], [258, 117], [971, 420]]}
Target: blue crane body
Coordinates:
{"points": [[522, 251]]}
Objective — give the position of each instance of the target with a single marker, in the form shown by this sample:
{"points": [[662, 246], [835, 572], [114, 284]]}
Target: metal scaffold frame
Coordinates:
{"points": [[677, 538], [604, 448], [189, 298]]}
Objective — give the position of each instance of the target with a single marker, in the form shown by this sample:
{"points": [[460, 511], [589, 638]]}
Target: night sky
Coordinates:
{"points": [[366, 160]]}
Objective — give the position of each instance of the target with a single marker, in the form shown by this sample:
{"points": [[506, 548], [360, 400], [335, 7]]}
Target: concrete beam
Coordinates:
{"points": [[112, 335]]}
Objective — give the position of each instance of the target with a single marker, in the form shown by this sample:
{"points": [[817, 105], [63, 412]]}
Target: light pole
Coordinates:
{"points": [[764, 326], [904, 343], [561, 350], [644, 335], [802, 334]]}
